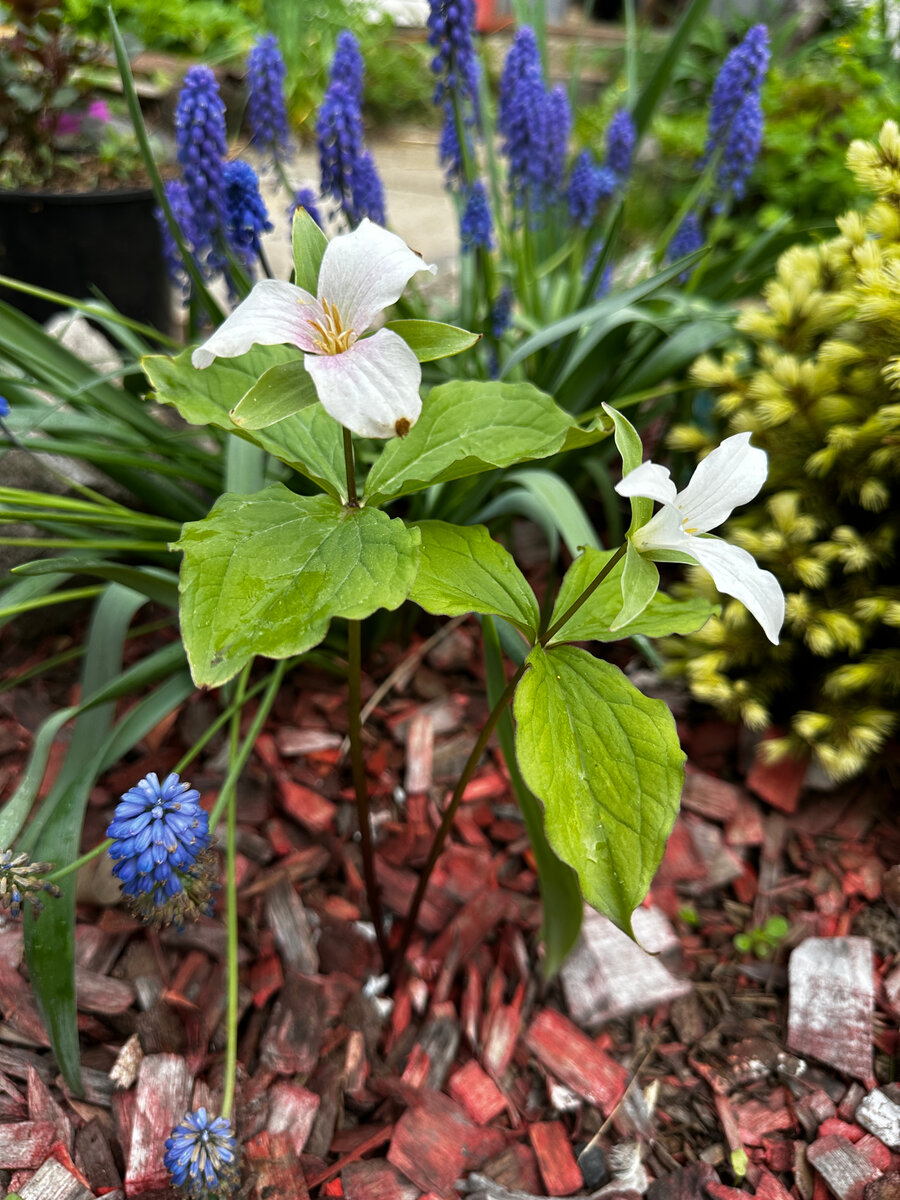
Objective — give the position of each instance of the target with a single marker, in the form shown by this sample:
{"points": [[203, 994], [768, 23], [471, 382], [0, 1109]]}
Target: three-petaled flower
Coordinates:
{"points": [[730, 475], [368, 384]]}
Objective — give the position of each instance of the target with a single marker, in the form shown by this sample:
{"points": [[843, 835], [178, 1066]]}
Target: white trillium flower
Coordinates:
{"points": [[370, 385], [730, 475]]}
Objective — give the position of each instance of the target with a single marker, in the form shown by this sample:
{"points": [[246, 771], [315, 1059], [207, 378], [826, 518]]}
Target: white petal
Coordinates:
{"points": [[735, 572], [663, 532], [650, 480], [371, 386], [275, 313], [729, 476], [365, 271]]}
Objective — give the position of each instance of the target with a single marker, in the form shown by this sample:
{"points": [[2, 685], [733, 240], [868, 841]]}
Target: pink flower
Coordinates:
{"points": [[98, 110]]}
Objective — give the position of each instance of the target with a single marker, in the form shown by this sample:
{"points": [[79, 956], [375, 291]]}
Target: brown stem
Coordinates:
{"points": [[363, 810], [449, 814]]}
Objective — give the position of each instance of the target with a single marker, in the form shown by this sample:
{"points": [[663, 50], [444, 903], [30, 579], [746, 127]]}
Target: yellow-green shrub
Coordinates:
{"points": [[817, 382]]}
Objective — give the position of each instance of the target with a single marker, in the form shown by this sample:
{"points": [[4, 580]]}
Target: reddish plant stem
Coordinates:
{"points": [[449, 814]]}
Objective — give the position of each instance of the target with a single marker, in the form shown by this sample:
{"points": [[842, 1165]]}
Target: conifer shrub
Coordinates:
{"points": [[817, 382]]}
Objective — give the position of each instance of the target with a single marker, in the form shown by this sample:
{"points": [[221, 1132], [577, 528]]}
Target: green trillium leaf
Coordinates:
{"points": [[309, 441], [429, 340], [265, 574], [462, 570], [595, 619], [606, 763], [283, 390], [640, 583], [466, 428], [308, 243], [628, 443]]}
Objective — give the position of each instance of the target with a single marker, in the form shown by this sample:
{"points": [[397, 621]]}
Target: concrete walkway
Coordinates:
{"points": [[419, 208]]}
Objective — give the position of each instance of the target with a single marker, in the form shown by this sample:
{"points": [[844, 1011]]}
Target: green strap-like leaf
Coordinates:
{"points": [[561, 902], [50, 937], [283, 390], [462, 570], [265, 574], [466, 428], [606, 763], [309, 441], [594, 620], [429, 340]]}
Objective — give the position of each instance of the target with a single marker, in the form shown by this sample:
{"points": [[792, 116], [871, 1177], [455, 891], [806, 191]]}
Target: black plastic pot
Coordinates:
{"points": [[76, 242]]}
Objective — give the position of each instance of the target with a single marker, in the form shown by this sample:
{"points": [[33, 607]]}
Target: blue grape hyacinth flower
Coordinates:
{"points": [[161, 850], [742, 74], [522, 119], [735, 114], [450, 24], [179, 202], [475, 225], [689, 236], [201, 1156], [621, 138], [266, 109], [741, 149], [306, 198], [248, 217], [347, 66], [201, 146], [4, 407], [366, 191]]}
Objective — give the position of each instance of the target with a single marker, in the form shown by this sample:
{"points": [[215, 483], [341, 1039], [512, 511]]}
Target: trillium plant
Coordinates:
{"points": [[298, 377], [296, 370]]}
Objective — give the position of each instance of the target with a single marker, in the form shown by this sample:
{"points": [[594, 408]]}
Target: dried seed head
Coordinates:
{"points": [[20, 880]]}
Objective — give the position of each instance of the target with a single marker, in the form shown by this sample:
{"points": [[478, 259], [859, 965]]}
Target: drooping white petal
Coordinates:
{"points": [[735, 572], [729, 476], [650, 480], [274, 314], [370, 387], [365, 271]]}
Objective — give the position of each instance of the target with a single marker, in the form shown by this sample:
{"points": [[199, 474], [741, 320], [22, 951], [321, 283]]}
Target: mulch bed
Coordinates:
{"points": [[697, 1071]]}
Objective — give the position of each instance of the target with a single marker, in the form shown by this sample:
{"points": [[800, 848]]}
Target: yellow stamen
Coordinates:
{"points": [[332, 338]]}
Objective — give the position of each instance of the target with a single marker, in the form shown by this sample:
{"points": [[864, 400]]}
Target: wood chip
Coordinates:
{"points": [[432, 1142], [292, 1111], [881, 1115], [94, 1156], [376, 1179], [832, 997], [841, 1165], [556, 1162], [26, 1143], [277, 1173], [471, 1087], [54, 1182], [162, 1099], [572, 1057], [608, 975], [288, 921]]}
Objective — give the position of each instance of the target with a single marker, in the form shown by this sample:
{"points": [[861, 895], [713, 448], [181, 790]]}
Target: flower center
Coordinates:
{"points": [[158, 811], [331, 336]]}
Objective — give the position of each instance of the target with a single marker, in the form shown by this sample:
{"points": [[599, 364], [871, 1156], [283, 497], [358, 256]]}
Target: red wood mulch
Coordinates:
{"points": [[697, 1072]]}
